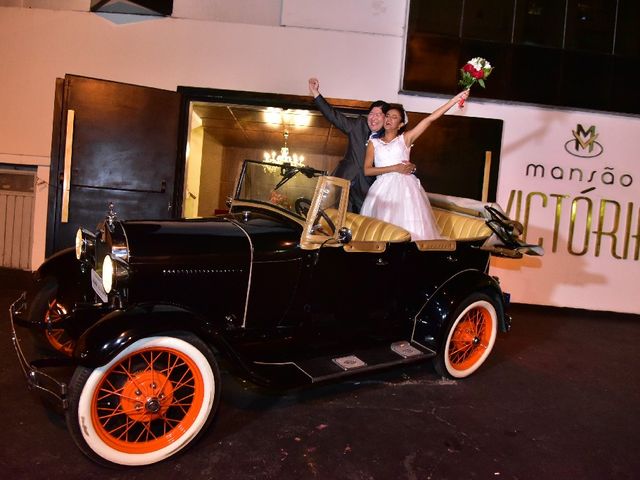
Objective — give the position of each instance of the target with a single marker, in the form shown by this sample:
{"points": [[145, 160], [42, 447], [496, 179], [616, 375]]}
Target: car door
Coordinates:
{"points": [[355, 294]]}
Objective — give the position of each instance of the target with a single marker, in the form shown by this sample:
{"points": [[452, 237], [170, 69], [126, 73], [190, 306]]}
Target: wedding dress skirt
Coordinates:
{"points": [[400, 199]]}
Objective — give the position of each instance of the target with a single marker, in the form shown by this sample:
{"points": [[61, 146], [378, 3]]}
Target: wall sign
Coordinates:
{"points": [[596, 220]]}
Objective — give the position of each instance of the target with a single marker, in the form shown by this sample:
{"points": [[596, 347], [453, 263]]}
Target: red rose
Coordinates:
{"points": [[475, 73]]}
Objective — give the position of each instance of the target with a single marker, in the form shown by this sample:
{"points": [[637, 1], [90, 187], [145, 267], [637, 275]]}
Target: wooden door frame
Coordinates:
{"points": [[54, 166]]}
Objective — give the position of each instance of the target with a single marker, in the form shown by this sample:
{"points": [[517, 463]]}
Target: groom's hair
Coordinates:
{"points": [[378, 103]]}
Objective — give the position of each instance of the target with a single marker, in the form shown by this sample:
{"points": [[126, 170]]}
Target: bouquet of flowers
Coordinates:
{"points": [[475, 70]]}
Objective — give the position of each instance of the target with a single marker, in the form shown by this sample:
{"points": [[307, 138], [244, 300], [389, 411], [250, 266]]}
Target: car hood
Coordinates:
{"points": [[230, 234]]}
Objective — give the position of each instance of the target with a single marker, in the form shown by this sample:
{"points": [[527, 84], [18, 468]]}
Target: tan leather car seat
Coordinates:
{"points": [[367, 229], [458, 227]]}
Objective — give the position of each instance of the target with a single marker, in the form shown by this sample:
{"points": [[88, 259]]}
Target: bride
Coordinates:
{"points": [[397, 196]]}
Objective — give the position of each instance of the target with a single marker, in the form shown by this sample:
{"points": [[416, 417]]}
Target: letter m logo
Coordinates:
{"points": [[585, 139]]}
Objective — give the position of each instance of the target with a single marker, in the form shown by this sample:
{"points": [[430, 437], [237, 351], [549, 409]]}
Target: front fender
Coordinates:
{"points": [[64, 276], [443, 302], [62, 264], [120, 328]]}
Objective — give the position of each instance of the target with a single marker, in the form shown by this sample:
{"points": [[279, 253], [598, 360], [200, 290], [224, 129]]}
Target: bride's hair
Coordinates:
{"points": [[403, 114]]}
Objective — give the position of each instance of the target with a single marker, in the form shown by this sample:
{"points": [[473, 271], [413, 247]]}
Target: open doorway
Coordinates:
{"points": [[222, 135]]}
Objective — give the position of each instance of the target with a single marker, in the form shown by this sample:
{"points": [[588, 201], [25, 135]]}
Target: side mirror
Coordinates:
{"points": [[344, 235]]}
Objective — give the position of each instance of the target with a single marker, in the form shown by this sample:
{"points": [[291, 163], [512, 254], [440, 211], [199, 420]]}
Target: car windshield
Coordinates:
{"points": [[277, 185]]}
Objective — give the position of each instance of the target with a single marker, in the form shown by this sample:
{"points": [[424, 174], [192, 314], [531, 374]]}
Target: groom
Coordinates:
{"points": [[358, 130]]}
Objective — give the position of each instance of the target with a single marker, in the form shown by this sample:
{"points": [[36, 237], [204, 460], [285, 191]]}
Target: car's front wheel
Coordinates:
{"points": [[149, 402], [49, 308], [469, 338]]}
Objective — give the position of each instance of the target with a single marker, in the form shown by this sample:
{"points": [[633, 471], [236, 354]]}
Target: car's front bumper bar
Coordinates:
{"points": [[37, 379]]}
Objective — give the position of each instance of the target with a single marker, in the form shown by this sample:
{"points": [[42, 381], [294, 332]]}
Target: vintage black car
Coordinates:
{"points": [[288, 287]]}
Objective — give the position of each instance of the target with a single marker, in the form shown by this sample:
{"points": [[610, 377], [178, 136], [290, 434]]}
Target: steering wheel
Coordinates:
{"points": [[302, 206], [507, 230]]}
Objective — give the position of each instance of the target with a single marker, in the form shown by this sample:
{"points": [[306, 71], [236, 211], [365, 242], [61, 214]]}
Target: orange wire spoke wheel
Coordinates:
{"points": [[471, 338], [147, 400], [152, 399], [57, 337]]}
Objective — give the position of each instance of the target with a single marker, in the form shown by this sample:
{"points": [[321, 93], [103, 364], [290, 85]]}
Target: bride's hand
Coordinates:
{"points": [[462, 97], [406, 168]]}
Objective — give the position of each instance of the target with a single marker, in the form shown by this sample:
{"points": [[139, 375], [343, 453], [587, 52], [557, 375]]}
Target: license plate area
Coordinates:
{"points": [[96, 284]]}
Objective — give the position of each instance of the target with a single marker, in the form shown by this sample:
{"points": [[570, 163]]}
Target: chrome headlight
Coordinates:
{"points": [[85, 244], [115, 273]]}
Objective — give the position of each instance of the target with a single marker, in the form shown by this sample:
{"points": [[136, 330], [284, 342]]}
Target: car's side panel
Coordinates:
{"points": [[202, 266], [421, 273], [349, 293], [277, 262], [208, 266]]}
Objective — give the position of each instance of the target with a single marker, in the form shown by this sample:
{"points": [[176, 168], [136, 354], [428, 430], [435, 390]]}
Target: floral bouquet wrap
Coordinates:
{"points": [[475, 70]]}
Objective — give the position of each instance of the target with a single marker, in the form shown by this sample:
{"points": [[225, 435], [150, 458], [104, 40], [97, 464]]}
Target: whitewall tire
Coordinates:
{"points": [[145, 405], [469, 339]]}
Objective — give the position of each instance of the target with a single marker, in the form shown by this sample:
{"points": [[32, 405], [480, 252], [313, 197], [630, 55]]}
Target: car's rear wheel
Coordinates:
{"points": [[49, 309], [152, 400], [469, 338]]}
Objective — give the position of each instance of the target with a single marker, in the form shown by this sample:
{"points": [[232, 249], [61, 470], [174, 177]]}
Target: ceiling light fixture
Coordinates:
{"points": [[284, 156], [278, 116]]}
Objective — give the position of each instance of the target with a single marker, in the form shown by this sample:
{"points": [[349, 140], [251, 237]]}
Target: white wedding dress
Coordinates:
{"points": [[398, 198]]}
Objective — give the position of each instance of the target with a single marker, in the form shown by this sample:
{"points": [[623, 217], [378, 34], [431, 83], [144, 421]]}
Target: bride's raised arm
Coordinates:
{"points": [[410, 136]]}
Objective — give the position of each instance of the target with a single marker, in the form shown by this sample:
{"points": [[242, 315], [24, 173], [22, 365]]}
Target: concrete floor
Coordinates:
{"points": [[557, 399]]}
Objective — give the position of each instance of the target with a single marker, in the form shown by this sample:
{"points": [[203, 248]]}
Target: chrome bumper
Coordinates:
{"points": [[37, 379]]}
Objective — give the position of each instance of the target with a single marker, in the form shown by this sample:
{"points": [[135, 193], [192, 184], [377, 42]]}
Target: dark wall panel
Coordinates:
{"points": [[573, 53]]}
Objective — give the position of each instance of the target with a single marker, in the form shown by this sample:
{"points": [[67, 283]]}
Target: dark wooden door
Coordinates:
{"points": [[112, 142]]}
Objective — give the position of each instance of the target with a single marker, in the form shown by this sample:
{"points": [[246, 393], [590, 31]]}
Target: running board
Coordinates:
{"points": [[321, 369]]}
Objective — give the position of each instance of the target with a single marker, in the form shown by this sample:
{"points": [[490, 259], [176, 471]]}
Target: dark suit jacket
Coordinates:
{"points": [[351, 166]]}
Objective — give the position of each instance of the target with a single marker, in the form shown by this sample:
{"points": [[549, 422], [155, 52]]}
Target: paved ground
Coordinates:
{"points": [[558, 399]]}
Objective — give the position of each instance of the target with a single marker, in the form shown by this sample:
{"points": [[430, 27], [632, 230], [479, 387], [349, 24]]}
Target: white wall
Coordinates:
{"points": [[355, 47]]}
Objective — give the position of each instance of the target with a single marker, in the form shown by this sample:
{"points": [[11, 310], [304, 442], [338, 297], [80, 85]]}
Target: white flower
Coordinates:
{"points": [[479, 63], [476, 63]]}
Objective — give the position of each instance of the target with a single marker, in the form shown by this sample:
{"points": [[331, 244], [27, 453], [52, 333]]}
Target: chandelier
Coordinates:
{"points": [[284, 156]]}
